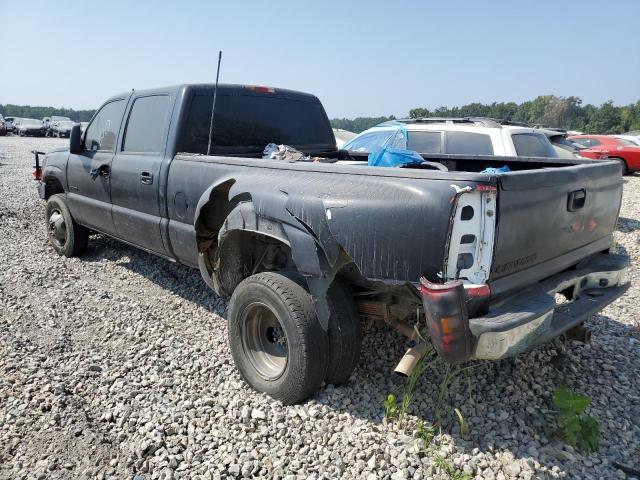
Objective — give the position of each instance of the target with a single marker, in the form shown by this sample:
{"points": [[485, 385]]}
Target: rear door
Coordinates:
{"points": [[135, 174], [89, 172]]}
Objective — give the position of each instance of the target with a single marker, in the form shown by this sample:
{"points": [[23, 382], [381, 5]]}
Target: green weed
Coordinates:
{"points": [[390, 407], [407, 396], [452, 472], [425, 432], [575, 427], [464, 430]]}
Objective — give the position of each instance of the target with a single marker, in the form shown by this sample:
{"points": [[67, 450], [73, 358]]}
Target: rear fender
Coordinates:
{"points": [[314, 251]]}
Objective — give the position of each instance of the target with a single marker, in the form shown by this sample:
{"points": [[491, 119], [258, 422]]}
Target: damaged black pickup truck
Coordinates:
{"points": [[305, 249]]}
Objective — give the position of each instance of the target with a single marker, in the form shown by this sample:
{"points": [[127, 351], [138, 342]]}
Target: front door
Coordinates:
{"points": [[89, 172], [135, 172]]}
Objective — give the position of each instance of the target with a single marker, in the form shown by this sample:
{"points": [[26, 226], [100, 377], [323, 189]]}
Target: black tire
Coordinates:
{"points": [[64, 234], [276, 341], [345, 334]]}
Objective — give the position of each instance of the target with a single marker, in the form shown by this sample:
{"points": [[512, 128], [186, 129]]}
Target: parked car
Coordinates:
{"points": [[458, 136], [61, 128], [304, 247], [8, 123], [342, 136], [618, 149], [29, 127], [50, 124]]}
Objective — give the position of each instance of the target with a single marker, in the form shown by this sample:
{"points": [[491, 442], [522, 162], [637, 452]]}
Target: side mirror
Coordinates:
{"points": [[75, 140]]}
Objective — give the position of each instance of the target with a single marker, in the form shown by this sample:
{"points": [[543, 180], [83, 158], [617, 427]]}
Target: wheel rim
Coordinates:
{"points": [[264, 341], [57, 228]]}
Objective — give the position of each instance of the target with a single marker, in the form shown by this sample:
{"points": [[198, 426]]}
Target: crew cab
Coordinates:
{"points": [[472, 258]]}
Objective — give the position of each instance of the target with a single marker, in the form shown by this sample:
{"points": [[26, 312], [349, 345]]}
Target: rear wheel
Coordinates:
{"points": [[276, 341], [64, 234], [345, 334]]}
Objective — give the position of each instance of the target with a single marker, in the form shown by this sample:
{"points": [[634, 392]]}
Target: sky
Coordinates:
{"points": [[361, 58]]}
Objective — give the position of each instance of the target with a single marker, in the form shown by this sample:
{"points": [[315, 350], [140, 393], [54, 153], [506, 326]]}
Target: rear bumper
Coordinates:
{"points": [[532, 317]]}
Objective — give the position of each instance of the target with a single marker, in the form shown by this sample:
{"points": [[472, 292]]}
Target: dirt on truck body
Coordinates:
{"points": [[303, 249]]}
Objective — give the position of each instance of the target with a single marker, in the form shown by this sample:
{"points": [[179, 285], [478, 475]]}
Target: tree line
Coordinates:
{"points": [[547, 110], [27, 111]]}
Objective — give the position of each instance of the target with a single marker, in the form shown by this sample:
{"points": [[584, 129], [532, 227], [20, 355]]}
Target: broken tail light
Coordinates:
{"points": [[447, 319], [477, 299]]}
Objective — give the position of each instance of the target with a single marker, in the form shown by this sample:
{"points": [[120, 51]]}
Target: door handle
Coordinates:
{"points": [[102, 171], [146, 178], [576, 200]]}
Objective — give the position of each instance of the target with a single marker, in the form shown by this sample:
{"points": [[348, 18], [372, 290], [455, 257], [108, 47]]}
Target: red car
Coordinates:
{"points": [[612, 147]]}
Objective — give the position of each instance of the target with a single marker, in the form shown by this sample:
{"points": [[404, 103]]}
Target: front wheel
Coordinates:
{"points": [[276, 341], [65, 235]]}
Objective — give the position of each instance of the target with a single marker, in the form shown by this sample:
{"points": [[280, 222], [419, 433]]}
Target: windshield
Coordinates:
{"points": [[61, 119], [563, 141], [66, 123], [28, 121]]}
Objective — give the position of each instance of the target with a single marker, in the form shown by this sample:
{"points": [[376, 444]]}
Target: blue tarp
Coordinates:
{"points": [[494, 170], [394, 152]]}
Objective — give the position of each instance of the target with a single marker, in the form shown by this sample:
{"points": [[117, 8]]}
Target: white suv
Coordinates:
{"points": [[460, 136]]}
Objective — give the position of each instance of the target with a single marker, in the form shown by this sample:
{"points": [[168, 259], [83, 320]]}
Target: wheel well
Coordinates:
{"points": [[245, 253], [52, 186], [212, 216]]}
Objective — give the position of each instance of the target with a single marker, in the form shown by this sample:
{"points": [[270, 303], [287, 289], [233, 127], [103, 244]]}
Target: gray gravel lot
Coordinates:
{"points": [[116, 364]]}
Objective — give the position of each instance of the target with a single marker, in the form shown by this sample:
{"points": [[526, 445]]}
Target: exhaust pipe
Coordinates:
{"points": [[579, 333], [411, 359]]}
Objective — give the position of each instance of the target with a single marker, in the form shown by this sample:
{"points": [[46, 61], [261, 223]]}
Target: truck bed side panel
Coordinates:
{"points": [[394, 229]]}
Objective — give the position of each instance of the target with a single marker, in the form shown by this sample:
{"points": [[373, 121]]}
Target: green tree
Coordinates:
{"points": [[547, 110]]}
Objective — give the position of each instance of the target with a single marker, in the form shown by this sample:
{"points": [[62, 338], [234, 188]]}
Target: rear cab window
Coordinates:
{"points": [[146, 127], [245, 123], [532, 145]]}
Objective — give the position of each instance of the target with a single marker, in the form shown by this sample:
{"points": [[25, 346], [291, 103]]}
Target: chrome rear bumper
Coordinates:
{"points": [[532, 317]]}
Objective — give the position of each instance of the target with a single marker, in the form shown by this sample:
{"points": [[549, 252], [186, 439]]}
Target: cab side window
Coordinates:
{"points": [[103, 130], [147, 125]]}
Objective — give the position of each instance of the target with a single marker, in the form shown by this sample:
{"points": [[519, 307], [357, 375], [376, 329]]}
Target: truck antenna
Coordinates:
{"points": [[213, 104]]}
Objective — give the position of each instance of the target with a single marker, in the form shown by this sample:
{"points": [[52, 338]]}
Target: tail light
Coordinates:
{"points": [[447, 319], [37, 168]]}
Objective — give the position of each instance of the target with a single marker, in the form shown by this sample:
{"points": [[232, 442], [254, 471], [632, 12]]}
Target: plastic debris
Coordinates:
{"points": [[394, 152], [284, 152], [496, 171], [393, 157]]}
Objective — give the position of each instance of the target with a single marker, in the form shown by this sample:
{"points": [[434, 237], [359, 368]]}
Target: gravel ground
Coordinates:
{"points": [[116, 364]]}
